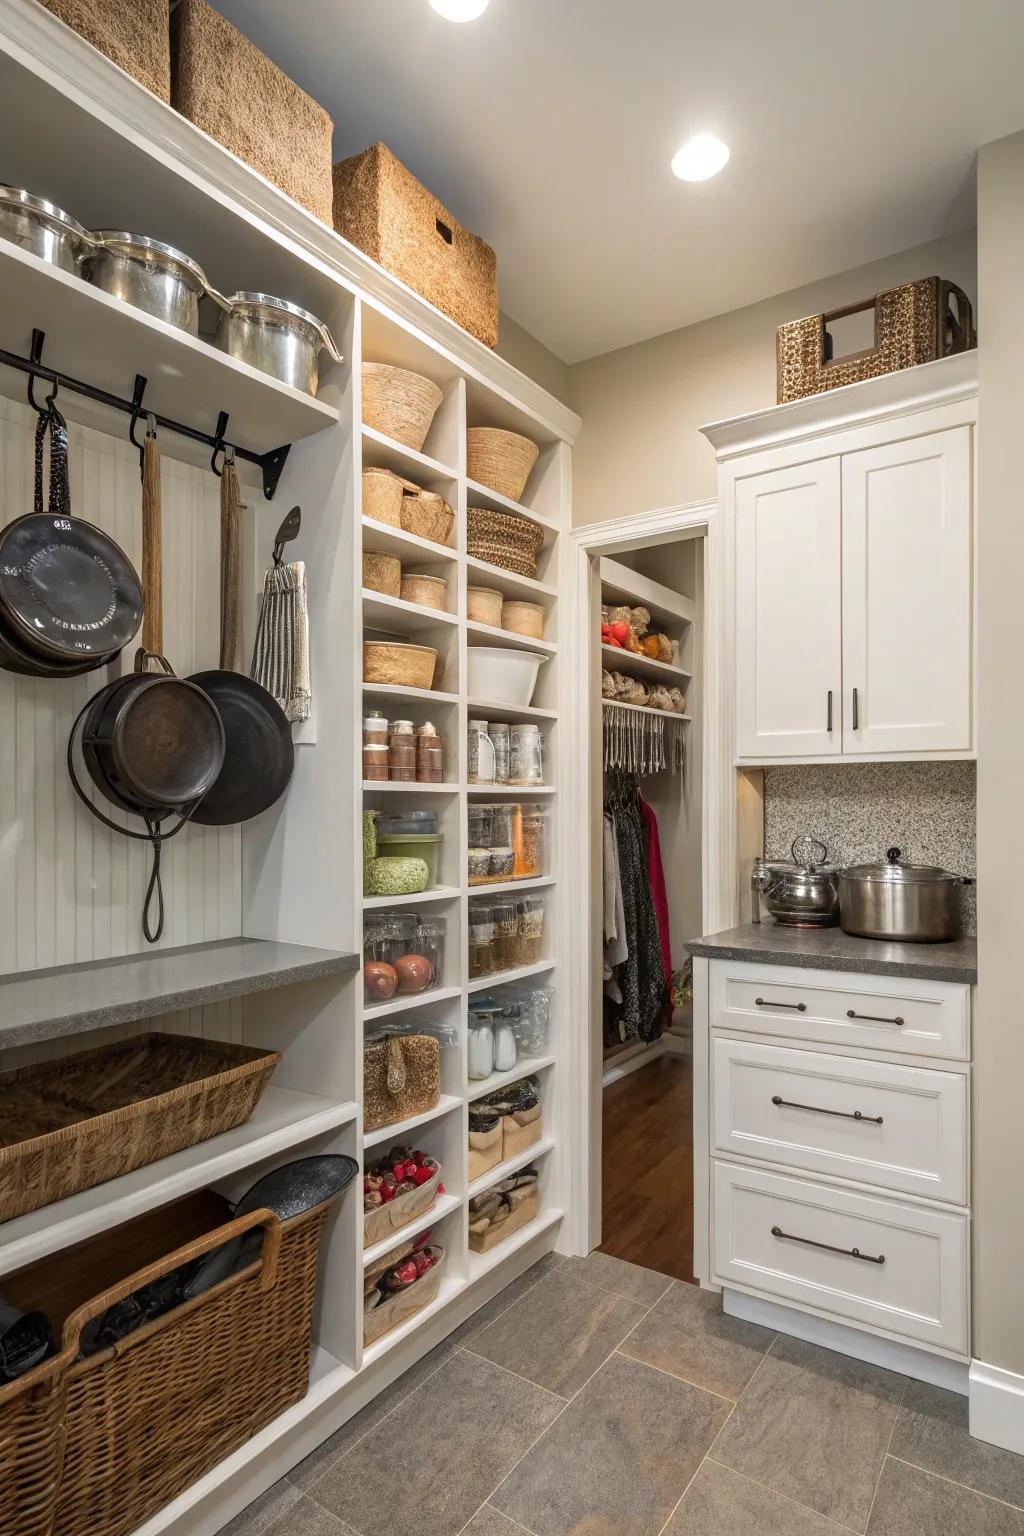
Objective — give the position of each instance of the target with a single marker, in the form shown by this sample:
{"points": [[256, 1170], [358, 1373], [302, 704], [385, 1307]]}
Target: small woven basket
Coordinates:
{"points": [[382, 496], [483, 606], [427, 514], [398, 666], [523, 619], [500, 460], [428, 591], [398, 403], [382, 573], [502, 539]]}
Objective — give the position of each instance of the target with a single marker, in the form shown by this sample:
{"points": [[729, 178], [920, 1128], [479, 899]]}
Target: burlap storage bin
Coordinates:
{"points": [[136, 37], [525, 1205], [226, 86], [382, 573], [484, 1151], [519, 1131], [386, 212]]}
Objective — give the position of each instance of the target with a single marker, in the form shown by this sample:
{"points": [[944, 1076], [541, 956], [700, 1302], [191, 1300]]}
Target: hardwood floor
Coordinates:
{"points": [[647, 1204]]}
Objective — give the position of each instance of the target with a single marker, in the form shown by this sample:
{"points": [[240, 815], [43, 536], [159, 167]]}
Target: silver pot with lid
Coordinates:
{"points": [[913, 903], [156, 278], [276, 337], [803, 894], [34, 225]]}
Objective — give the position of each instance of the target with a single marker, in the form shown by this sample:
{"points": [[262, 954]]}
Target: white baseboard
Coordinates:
{"points": [[622, 1066], [904, 1358], [997, 1406]]}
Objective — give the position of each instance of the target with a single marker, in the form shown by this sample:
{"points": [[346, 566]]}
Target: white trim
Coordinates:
{"points": [[623, 1065], [921, 1364], [997, 1406]]}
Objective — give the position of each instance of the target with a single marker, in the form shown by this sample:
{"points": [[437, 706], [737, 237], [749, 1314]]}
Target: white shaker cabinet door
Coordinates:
{"points": [[788, 614], [907, 605]]}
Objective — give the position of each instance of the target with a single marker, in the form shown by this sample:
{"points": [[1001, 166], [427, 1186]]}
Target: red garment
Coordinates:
{"points": [[656, 878]]}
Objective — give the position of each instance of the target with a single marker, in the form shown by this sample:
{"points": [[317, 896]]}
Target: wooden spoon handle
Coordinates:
{"points": [[230, 570], [152, 551]]}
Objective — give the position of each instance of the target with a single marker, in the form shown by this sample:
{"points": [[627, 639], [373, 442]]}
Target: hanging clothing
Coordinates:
{"points": [[659, 894], [641, 976], [616, 948]]}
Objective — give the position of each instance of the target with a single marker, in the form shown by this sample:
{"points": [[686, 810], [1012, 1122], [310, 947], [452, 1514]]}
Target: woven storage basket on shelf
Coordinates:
{"points": [[382, 496], [401, 1077], [915, 323], [386, 212], [398, 1213], [428, 591], [223, 83], [74, 1123], [32, 1449], [382, 573], [500, 460], [404, 1304], [483, 605], [523, 619], [398, 666], [427, 514], [136, 37], [399, 403], [502, 539]]}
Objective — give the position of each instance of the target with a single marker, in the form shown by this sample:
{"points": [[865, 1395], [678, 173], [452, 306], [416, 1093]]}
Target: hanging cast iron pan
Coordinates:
{"points": [[259, 753], [69, 596]]}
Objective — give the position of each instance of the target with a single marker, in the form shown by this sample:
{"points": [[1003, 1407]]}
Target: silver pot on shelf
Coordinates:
{"points": [[275, 336], [156, 278], [35, 225], [912, 903], [803, 894]]}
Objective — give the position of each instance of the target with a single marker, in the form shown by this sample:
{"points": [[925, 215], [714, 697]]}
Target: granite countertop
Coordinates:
{"points": [[830, 949]]}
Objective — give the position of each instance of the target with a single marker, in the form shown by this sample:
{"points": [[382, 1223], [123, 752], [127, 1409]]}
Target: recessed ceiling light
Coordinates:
{"points": [[460, 10], [700, 157]]}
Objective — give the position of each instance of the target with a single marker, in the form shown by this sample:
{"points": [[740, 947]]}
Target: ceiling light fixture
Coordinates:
{"points": [[700, 157], [460, 10]]}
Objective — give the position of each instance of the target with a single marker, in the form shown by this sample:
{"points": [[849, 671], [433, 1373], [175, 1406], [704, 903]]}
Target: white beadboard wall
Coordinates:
{"points": [[71, 890]]}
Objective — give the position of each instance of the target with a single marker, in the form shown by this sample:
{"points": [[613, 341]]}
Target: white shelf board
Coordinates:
{"points": [[385, 453], [481, 1263], [617, 660], [451, 1285], [394, 616], [282, 1119], [486, 709], [521, 1160], [374, 1011], [436, 893], [621, 585], [444, 1106], [479, 496], [413, 695], [490, 634], [500, 887], [382, 539], [376, 786], [517, 973], [509, 791], [507, 582], [644, 709], [105, 342], [443, 1206], [522, 1068]]}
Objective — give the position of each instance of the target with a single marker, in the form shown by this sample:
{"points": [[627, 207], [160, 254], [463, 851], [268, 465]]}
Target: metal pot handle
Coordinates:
{"points": [[329, 342], [218, 298], [807, 843]]}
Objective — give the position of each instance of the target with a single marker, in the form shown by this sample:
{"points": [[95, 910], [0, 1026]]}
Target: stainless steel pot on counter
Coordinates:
{"points": [[913, 903], [803, 894], [276, 337]]}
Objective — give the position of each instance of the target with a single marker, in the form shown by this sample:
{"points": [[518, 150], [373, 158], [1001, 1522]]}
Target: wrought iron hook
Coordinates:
{"points": [[218, 441], [138, 391], [35, 358]]}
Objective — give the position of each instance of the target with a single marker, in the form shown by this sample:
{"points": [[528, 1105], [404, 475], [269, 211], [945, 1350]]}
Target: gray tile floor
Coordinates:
{"points": [[595, 1398]]}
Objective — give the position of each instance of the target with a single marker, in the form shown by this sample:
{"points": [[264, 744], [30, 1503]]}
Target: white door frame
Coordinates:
{"points": [[582, 1053]]}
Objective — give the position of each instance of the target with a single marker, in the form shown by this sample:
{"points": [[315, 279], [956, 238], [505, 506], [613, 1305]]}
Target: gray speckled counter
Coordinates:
{"points": [[42, 1005], [830, 949]]}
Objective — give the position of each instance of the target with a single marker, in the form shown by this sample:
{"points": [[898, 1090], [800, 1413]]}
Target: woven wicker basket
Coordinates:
{"points": [[401, 1077], [69, 1125], [915, 323], [223, 83], [428, 591], [31, 1449], [500, 460], [428, 514], [404, 1304], [483, 605], [502, 539], [398, 403], [382, 496], [523, 619], [398, 666], [382, 573], [136, 37]]}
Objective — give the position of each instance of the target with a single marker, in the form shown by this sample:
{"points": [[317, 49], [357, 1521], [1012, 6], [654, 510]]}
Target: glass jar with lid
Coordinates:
{"points": [[429, 754], [526, 755], [506, 927], [529, 841], [430, 936], [482, 957], [481, 1047], [402, 752]]}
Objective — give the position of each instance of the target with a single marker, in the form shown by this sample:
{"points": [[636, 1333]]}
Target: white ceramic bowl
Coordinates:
{"points": [[499, 676]]}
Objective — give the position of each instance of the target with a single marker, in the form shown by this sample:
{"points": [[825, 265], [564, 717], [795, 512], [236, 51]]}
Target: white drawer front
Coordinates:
{"points": [[799, 1108], [919, 1292], [927, 1018]]}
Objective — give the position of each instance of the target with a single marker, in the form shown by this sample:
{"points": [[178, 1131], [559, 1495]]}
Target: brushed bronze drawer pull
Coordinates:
{"points": [[762, 1002], [850, 1253], [815, 1109], [872, 1018]]}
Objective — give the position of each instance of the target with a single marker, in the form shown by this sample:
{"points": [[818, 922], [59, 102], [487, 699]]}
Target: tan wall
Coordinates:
{"points": [[640, 447], [531, 357], [999, 1027]]}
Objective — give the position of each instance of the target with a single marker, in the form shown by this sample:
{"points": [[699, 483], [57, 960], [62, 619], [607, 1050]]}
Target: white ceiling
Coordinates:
{"points": [[548, 125]]}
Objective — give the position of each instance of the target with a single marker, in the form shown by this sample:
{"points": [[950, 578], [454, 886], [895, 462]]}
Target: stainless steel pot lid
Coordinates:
{"points": [[893, 872], [17, 197], [281, 311], [145, 248]]}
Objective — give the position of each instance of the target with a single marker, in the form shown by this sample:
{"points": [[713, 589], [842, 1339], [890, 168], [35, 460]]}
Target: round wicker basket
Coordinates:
{"points": [[382, 573], [429, 515], [400, 666], [483, 605], [523, 619], [398, 403], [502, 539], [382, 496], [500, 460], [428, 591]]}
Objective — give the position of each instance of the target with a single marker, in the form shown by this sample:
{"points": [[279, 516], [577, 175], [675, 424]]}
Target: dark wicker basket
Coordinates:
{"points": [[502, 539]]}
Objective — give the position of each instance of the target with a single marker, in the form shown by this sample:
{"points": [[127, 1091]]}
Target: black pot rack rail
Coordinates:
{"points": [[270, 463]]}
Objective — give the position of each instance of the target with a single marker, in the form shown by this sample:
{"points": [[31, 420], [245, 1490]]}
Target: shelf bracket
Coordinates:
{"points": [[272, 464]]}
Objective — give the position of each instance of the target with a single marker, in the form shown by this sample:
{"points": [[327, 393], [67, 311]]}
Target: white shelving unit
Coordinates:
{"points": [[293, 876]]}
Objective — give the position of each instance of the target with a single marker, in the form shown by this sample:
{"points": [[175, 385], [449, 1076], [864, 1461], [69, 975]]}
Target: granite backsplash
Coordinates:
{"points": [[858, 810]]}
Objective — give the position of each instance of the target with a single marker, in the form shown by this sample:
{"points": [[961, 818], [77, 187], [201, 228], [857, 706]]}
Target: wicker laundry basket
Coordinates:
{"points": [[386, 212], [226, 86], [136, 37], [71, 1124], [399, 403]]}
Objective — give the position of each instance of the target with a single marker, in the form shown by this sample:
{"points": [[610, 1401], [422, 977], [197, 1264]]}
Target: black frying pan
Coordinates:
{"points": [[259, 755]]}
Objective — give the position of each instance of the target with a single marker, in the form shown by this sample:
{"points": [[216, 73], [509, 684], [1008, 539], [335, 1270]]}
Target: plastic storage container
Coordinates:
{"points": [[413, 845], [502, 676], [482, 948]]}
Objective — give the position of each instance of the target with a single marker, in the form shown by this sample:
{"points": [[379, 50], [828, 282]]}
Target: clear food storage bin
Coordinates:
{"points": [[529, 841], [413, 845], [529, 929], [402, 955], [483, 958]]}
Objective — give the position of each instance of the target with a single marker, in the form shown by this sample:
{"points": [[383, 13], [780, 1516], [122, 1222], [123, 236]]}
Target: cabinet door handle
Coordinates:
{"points": [[762, 1002], [816, 1109], [851, 1253], [829, 725], [872, 1018], [856, 712]]}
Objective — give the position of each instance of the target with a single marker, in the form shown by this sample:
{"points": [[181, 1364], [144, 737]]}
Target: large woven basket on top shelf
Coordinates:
{"points": [[399, 403], [500, 460], [502, 539], [71, 1124], [137, 37]]}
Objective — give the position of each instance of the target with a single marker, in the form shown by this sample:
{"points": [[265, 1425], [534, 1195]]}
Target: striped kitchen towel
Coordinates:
{"points": [[280, 658]]}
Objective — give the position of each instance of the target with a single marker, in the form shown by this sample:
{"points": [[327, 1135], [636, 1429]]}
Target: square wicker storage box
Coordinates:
{"points": [[226, 86], [386, 212], [136, 37], [915, 323]]}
